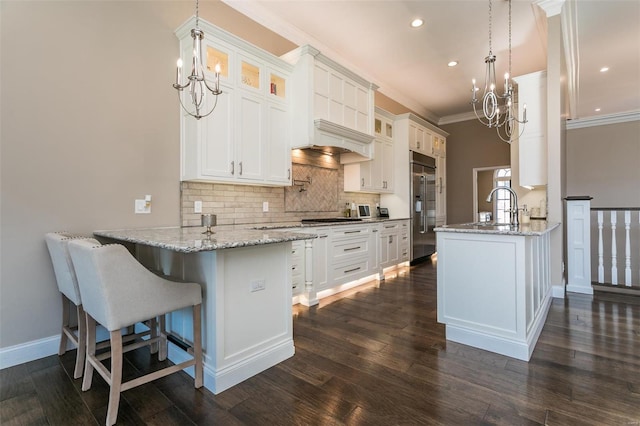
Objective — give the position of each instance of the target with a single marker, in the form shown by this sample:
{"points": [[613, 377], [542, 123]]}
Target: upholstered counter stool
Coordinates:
{"points": [[70, 293], [117, 291]]}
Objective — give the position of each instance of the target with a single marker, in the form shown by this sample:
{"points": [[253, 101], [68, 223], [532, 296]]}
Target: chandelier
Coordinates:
{"points": [[196, 83], [498, 110]]}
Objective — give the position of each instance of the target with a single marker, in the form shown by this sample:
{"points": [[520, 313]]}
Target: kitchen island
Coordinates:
{"points": [[494, 288], [246, 279]]}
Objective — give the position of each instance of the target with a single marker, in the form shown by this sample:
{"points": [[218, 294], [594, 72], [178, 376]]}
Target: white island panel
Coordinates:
{"points": [[473, 285], [494, 288]]}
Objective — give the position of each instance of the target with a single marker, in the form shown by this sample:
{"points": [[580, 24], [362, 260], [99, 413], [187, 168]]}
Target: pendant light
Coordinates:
{"points": [[498, 110], [196, 84]]}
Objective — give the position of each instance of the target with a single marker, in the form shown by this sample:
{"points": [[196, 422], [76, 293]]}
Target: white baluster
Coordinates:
{"points": [[600, 247], [614, 251], [627, 249]]}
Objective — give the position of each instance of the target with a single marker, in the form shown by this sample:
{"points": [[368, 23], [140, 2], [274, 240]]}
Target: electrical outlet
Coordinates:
{"points": [[257, 285], [197, 206], [265, 206], [142, 207]]}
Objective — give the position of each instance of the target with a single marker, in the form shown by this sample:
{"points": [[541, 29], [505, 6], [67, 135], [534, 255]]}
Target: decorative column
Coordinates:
{"points": [[579, 244]]}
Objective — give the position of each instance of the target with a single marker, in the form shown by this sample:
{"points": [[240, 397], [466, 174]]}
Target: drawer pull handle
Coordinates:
{"points": [[353, 232], [323, 236], [352, 248], [351, 270]]}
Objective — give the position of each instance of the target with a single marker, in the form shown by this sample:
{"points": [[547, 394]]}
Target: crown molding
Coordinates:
{"points": [[456, 118], [550, 7], [603, 120]]}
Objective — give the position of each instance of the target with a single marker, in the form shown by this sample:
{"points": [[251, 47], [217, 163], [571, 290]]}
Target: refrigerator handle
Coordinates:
{"points": [[425, 225], [423, 200]]}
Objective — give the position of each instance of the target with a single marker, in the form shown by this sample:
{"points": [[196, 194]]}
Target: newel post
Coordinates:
{"points": [[579, 244]]}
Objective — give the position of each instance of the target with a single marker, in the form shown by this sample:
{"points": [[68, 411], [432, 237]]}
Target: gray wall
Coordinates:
{"points": [[469, 145], [89, 123], [604, 162]]}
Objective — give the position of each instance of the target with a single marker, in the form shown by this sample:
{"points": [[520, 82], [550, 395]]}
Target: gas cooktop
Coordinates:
{"points": [[332, 220]]}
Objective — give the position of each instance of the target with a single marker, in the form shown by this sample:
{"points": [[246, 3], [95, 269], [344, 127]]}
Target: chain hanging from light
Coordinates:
{"points": [[504, 121], [196, 82]]}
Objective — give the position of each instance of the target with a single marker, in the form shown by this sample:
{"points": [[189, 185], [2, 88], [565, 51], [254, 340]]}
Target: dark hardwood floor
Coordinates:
{"points": [[377, 357]]}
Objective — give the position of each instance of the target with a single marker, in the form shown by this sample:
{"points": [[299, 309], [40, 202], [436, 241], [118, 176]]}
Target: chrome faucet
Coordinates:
{"points": [[514, 210]]}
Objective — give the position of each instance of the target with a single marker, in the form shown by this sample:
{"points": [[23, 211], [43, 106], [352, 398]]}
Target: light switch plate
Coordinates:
{"points": [[265, 206]]}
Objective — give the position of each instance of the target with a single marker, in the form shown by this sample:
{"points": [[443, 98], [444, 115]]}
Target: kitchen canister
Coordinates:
{"points": [[208, 220]]}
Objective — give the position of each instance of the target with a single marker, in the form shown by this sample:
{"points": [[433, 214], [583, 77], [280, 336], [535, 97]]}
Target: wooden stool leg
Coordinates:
{"points": [[116, 377], [162, 333], [197, 344], [65, 323], [153, 327], [82, 342], [91, 352]]}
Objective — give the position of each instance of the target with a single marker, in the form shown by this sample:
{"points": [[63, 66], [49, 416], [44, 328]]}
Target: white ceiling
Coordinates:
{"points": [[374, 39]]}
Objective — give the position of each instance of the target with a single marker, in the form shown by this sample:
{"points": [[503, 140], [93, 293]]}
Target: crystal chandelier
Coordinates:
{"points": [[196, 84], [498, 110]]}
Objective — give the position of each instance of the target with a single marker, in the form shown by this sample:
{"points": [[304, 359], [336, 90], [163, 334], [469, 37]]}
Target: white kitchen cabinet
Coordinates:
{"points": [[297, 267], [389, 244], [439, 149], [343, 254], [247, 138], [376, 175], [410, 129], [420, 139], [333, 105], [349, 250], [394, 243], [531, 146]]}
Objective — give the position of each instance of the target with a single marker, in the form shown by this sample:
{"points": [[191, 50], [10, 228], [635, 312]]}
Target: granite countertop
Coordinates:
{"points": [[298, 224], [192, 239], [535, 227]]}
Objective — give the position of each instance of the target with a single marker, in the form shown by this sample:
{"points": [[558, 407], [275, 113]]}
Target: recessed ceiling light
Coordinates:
{"points": [[452, 64], [597, 109], [604, 69], [417, 23]]}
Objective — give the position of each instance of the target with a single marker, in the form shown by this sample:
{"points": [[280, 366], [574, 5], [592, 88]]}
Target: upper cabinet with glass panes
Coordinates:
{"points": [[246, 139], [241, 64]]}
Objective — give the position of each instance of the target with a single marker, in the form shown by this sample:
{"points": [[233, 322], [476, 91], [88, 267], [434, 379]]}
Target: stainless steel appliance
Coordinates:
{"points": [[423, 209]]}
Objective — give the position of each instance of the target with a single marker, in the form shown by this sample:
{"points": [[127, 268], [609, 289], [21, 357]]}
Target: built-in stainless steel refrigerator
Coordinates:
{"points": [[423, 209]]}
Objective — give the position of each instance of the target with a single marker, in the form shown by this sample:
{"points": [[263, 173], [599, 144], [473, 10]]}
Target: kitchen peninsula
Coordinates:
{"points": [[246, 279], [494, 289]]}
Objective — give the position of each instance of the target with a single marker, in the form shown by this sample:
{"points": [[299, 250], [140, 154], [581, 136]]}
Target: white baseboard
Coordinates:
{"points": [[580, 289], [557, 291], [519, 349], [36, 349], [218, 381], [30, 351]]}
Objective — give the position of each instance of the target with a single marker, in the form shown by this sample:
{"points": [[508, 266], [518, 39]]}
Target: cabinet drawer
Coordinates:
{"points": [[342, 250], [346, 232], [390, 227], [349, 272]]}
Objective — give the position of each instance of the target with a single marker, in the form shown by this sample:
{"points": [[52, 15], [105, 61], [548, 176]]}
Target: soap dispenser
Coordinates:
{"points": [[526, 216]]}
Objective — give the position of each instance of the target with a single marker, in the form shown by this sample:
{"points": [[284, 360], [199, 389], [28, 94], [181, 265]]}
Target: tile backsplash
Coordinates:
{"points": [[242, 204]]}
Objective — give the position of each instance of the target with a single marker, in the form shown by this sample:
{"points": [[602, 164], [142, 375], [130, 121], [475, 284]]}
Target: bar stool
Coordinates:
{"points": [[70, 293], [117, 291]]}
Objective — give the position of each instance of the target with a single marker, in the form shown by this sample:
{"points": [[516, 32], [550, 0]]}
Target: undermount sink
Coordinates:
{"points": [[486, 225]]}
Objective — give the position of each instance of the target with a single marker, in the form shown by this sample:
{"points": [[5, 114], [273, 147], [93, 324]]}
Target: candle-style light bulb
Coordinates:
{"points": [[217, 70], [506, 82], [179, 71]]}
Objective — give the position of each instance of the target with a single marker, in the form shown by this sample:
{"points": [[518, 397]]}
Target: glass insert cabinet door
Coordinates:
{"points": [[217, 57]]}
